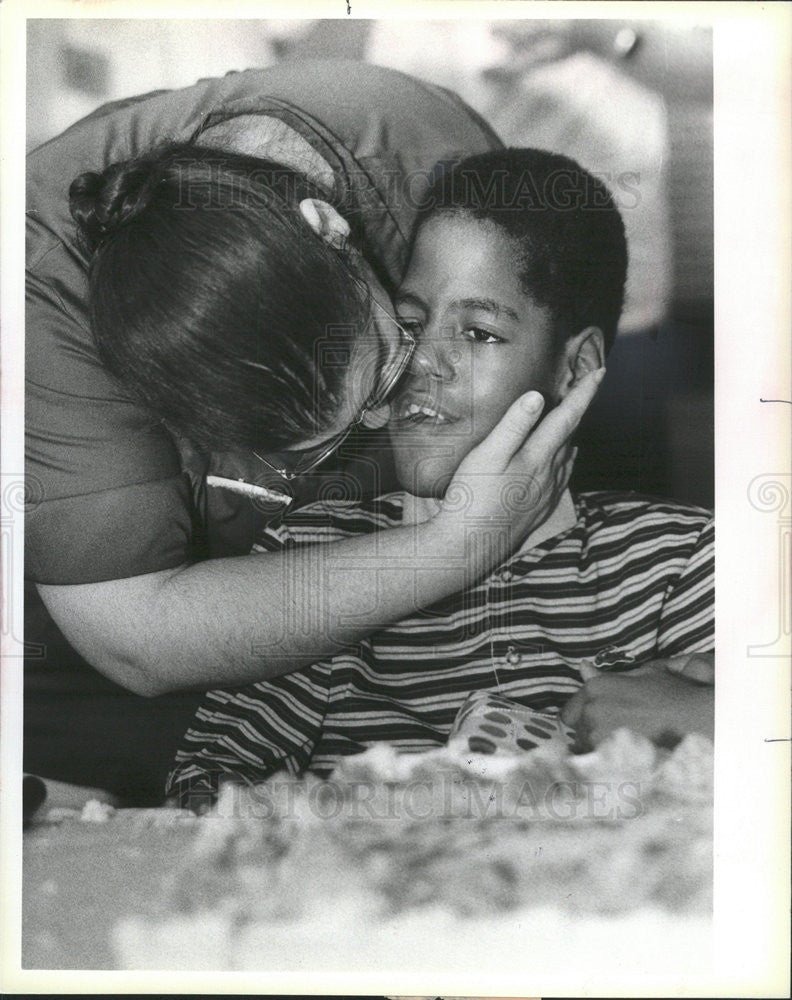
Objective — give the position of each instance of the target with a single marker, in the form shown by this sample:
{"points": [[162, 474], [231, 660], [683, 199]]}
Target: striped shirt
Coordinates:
{"points": [[631, 574]]}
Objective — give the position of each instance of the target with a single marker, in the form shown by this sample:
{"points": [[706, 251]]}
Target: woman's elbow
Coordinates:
{"points": [[135, 675], [112, 625], [146, 686]]}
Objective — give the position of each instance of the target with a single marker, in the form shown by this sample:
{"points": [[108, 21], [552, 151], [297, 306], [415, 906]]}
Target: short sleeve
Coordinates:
{"points": [[107, 498], [687, 619], [107, 495]]}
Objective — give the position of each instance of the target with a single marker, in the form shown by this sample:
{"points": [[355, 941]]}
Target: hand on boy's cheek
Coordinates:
{"points": [[651, 701]]}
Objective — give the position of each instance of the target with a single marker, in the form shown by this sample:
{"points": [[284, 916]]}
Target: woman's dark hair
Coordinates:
{"points": [[565, 224], [212, 300]]}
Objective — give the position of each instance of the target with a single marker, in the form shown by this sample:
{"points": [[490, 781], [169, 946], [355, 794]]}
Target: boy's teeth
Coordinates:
{"points": [[414, 410]]}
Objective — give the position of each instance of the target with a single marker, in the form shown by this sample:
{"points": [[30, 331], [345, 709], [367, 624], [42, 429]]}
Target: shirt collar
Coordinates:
{"points": [[562, 518]]}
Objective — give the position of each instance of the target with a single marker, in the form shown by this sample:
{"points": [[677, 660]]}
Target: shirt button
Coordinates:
{"points": [[512, 656], [506, 575]]}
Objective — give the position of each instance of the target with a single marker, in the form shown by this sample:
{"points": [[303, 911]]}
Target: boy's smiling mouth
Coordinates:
{"points": [[411, 409]]}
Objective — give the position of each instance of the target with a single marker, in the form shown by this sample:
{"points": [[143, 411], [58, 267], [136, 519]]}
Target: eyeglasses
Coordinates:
{"points": [[307, 459]]}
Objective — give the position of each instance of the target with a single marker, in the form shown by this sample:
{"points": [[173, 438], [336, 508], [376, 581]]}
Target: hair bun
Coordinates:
{"points": [[101, 204]]}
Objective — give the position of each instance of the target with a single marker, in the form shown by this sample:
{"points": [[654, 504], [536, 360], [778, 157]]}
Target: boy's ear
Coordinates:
{"points": [[325, 221], [582, 353]]}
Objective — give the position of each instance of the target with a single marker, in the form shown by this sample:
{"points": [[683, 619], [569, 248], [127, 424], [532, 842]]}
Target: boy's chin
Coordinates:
{"points": [[425, 480]]}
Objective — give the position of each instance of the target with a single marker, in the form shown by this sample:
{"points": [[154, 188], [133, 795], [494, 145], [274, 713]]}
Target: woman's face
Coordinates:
{"points": [[375, 353], [369, 355], [376, 350], [375, 347]]}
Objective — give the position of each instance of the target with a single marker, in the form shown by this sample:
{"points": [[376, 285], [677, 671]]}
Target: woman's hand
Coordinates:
{"points": [[510, 483]]}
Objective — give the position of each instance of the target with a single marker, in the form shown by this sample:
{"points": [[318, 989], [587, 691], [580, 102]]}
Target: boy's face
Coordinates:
{"points": [[482, 343]]}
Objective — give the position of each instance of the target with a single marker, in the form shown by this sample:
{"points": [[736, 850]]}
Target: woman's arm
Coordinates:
{"points": [[236, 620]]}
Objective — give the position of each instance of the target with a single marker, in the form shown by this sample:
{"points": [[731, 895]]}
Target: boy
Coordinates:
{"points": [[515, 283]]}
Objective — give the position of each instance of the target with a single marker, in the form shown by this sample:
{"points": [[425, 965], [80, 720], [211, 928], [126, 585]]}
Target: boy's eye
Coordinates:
{"points": [[481, 336]]}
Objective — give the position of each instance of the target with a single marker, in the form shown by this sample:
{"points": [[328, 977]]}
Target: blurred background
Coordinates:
{"points": [[630, 100]]}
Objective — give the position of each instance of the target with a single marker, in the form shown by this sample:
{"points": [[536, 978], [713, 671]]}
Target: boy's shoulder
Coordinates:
{"points": [[611, 508]]}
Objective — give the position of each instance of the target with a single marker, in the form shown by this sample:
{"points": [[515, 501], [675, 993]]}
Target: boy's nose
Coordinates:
{"points": [[432, 359]]}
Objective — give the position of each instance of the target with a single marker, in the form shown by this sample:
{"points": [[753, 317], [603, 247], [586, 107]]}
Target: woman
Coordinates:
{"points": [[134, 557]]}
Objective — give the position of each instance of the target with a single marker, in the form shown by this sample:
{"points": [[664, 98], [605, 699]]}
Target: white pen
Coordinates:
{"points": [[248, 489]]}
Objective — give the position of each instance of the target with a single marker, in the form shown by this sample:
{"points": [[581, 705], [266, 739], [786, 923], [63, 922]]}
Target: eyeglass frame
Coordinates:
{"points": [[377, 398]]}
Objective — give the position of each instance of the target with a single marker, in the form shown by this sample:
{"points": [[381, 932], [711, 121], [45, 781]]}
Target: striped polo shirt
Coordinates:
{"points": [[628, 574]]}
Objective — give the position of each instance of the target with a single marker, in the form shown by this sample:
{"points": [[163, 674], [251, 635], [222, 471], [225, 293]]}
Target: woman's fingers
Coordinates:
{"points": [[510, 481], [513, 431], [560, 423], [509, 434]]}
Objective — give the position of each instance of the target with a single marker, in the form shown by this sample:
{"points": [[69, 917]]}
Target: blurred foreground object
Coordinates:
{"points": [[396, 843], [406, 861]]}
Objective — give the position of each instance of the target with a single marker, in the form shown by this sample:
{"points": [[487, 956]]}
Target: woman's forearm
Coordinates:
{"points": [[236, 620], [270, 613]]}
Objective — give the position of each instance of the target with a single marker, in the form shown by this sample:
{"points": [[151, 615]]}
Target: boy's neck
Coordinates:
{"points": [[562, 517]]}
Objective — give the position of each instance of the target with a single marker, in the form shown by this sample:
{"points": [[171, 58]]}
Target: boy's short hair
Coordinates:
{"points": [[564, 221]]}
